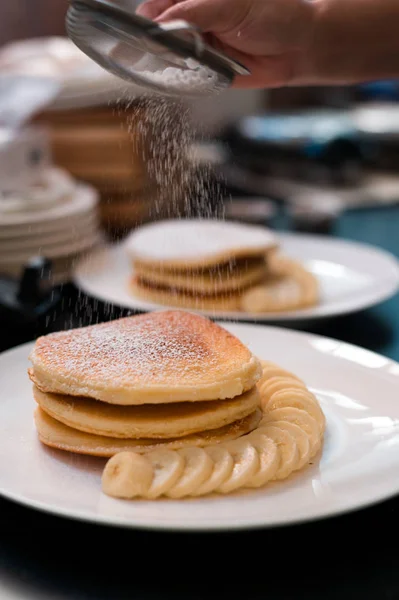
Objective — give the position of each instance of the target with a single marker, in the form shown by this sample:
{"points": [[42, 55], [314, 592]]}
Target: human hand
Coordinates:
{"points": [[270, 37]]}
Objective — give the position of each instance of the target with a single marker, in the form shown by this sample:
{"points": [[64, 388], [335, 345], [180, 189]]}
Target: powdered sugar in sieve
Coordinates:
{"points": [[189, 78]]}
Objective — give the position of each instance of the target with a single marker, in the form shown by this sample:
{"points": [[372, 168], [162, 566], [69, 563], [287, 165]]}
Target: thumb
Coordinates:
{"points": [[208, 15], [151, 9]]}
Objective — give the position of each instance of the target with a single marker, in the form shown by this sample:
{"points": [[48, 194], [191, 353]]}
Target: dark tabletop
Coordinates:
{"points": [[348, 557]]}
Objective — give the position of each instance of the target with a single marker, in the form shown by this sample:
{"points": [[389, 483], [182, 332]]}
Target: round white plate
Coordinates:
{"points": [[359, 465], [49, 241], [84, 201], [48, 230], [78, 245], [352, 277]]}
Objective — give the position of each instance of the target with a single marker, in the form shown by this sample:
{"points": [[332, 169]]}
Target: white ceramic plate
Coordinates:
{"points": [[49, 242], [48, 232], [358, 391], [83, 202], [53, 251], [352, 277]]}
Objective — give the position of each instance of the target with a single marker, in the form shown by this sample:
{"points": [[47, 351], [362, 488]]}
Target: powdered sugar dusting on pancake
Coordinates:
{"points": [[168, 346], [196, 239]]}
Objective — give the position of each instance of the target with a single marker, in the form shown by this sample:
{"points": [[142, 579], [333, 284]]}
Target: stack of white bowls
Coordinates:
{"points": [[55, 217]]}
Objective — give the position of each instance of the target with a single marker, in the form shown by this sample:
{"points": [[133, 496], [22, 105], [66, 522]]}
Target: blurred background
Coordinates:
{"points": [[76, 169], [77, 172]]}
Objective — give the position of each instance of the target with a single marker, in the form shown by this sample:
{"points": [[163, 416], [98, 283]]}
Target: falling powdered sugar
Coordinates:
{"points": [[163, 133], [174, 185]]}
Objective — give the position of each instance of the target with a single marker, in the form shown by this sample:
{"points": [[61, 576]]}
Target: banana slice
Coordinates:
{"points": [[127, 475], [300, 418], [167, 466], [269, 459], [310, 287], [276, 384], [246, 464], [271, 370], [281, 294], [301, 399], [301, 439], [198, 468], [265, 364], [288, 450], [223, 464]]}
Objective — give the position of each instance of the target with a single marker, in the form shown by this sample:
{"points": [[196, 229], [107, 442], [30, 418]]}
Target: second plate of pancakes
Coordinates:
{"points": [[351, 277]]}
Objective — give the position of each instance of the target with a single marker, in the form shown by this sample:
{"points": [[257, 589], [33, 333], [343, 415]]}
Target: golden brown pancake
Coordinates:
{"points": [[160, 357], [163, 421], [212, 282], [57, 435], [241, 263], [172, 297]]}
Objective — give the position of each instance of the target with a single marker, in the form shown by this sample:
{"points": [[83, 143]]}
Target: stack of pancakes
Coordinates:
{"points": [[201, 264], [162, 380]]}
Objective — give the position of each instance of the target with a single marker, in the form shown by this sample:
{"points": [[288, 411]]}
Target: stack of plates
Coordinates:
{"points": [[56, 219]]}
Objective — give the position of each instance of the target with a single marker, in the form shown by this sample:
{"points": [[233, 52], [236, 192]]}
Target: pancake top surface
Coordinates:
{"points": [[197, 241], [167, 356]]}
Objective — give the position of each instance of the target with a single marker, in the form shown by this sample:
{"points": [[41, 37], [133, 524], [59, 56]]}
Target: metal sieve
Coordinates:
{"points": [[170, 58]]}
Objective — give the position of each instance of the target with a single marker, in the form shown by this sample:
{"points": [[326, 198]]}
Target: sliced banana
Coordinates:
{"points": [[292, 287], [223, 464], [283, 293], [300, 418], [198, 468], [168, 466], [310, 287], [288, 436], [271, 370], [301, 399], [301, 439], [127, 475], [288, 450], [276, 384], [266, 363], [246, 464], [269, 459]]}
